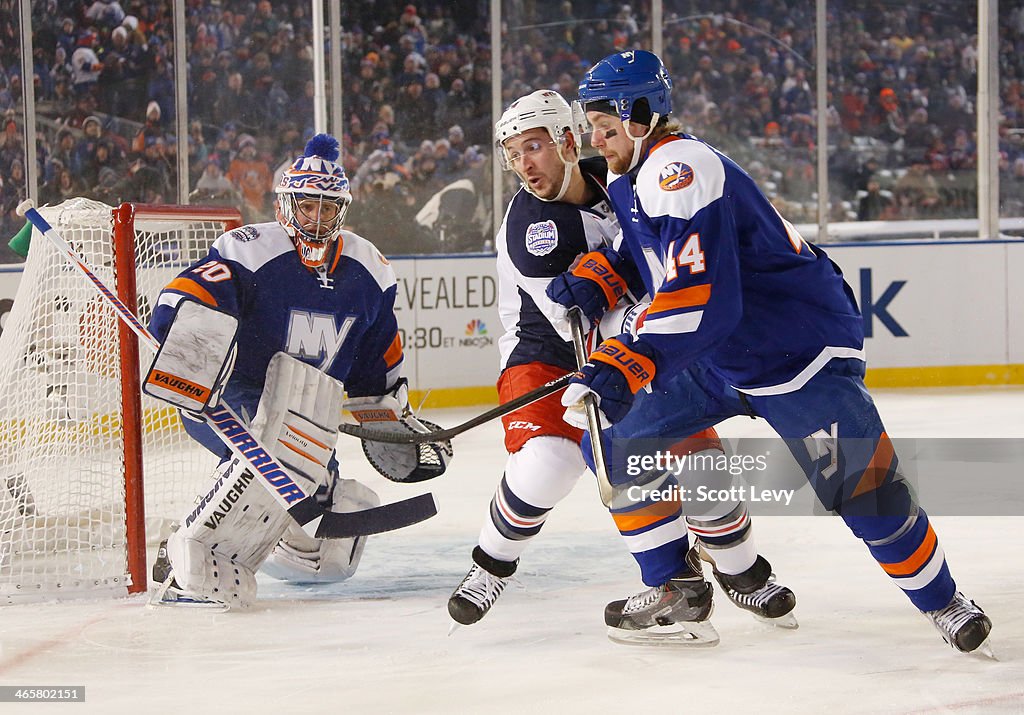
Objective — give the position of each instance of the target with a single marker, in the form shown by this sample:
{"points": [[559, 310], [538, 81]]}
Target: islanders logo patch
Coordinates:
{"points": [[541, 238], [675, 176]]}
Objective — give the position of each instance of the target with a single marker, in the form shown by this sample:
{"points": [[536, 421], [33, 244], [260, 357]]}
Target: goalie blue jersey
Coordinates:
{"points": [[730, 279], [341, 321]]}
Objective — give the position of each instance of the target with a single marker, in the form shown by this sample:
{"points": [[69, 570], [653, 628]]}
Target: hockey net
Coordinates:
{"points": [[91, 471]]}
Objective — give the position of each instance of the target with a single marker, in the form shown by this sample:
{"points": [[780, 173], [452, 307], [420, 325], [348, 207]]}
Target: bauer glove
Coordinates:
{"points": [[593, 286], [615, 371]]}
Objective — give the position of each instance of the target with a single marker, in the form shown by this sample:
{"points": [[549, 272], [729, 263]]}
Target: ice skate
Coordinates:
{"points": [[674, 614], [963, 625], [756, 591], [486, 580], [169, 593]]}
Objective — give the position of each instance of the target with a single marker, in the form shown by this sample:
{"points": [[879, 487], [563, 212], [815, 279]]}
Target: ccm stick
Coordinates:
{"points": [[302, 507], [523, 400]]}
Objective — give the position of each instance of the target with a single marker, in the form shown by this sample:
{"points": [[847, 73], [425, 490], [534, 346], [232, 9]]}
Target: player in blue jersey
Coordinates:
{"points": [[762, 320], [285, 312], [560, 213]]}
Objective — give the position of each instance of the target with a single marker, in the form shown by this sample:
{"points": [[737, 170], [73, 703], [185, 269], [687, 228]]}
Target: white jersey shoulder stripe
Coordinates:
{"points": [[679, 178], [801, 379], [671, 324], [359, 249], [254, 245]]}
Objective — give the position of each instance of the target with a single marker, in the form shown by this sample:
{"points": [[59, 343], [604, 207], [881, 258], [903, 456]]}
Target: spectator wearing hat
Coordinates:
{"points": [[67, 37], [888, 122], [213, 186], [92, 130], [152, 128], [105, 13], [85, 64], [104, 155], [252, 177]]}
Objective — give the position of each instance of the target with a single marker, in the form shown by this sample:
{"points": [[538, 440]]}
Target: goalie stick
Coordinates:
{"points": [[302, 507], [523, 400], [604, 486]]}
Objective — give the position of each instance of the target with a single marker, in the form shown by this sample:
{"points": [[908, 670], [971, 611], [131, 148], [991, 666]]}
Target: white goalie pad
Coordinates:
{"points": [[298, 416], [404, 463], [236, 524], [195, 359], [300, 558]]}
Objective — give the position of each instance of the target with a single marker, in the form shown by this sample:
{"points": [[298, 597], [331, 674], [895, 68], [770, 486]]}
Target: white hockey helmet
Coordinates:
{"points": [[543, 109], [314, 196]]}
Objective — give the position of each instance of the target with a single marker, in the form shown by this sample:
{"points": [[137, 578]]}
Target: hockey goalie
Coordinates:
{"points": [[279, 320]]}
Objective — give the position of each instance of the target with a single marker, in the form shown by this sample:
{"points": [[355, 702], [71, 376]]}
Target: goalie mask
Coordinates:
{"points": [[543, 109], [313, 198]]}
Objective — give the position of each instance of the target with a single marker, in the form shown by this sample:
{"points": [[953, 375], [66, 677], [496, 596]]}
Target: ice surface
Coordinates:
{"points": [[379, 643]]}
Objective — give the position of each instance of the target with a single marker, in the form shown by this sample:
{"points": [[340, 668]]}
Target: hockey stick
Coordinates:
{"points": [[523, 400], [301, 506], [604, 486]]}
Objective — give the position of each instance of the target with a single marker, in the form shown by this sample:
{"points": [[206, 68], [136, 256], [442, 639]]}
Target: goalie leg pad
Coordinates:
{"points": [[215, 553], [300, 558], [240, 521], [297, 419], [206, 574]]}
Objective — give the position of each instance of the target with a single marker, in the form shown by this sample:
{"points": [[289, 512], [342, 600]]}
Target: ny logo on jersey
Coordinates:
{"points": [[317, 336], [825, 444]]}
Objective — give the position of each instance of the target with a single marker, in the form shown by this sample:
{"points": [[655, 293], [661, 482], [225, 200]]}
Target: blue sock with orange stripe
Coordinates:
{"points": [[906, 547], [655, 533]]}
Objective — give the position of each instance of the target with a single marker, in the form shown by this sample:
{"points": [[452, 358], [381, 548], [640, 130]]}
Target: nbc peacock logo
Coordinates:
{"points": [[476, 335]]}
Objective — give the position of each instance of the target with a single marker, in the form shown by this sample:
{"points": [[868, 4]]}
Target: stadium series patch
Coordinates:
{"points": [[245, 233], [675, 176], [541, 238]]}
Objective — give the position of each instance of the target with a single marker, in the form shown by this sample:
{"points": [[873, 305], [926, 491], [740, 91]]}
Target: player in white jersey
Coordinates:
{"points": [[561, 213], [278, 320]]}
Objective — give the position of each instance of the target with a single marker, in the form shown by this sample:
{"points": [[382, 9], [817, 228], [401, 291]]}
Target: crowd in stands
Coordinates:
{"points": [[416, 101]]}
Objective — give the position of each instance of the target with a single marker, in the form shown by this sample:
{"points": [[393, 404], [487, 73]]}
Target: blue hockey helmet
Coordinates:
{"points": [[622, 80], [313, 198]]}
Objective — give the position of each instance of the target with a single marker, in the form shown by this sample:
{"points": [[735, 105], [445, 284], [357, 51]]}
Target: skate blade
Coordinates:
{"points": [[786, 621], [160, 599], [455, 625], [689, 634], [985, 651]]}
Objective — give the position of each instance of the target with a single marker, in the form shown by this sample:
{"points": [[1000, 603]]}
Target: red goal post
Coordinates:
{"points": [[90, 470]]}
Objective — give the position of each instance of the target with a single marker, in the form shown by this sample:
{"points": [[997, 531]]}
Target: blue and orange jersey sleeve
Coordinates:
{"points": [[379, 358], [698, 301], [213, 281]]}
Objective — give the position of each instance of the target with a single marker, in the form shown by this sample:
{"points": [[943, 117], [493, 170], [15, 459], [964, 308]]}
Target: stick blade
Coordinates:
{"points": [[387, 517]]}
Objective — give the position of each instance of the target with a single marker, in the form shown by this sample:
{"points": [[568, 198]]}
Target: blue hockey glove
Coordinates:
{"points": [[593, 286], [616, 370]]}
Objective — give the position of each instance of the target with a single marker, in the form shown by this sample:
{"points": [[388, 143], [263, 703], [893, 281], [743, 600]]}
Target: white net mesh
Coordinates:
{"points": [[62, 486]]}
